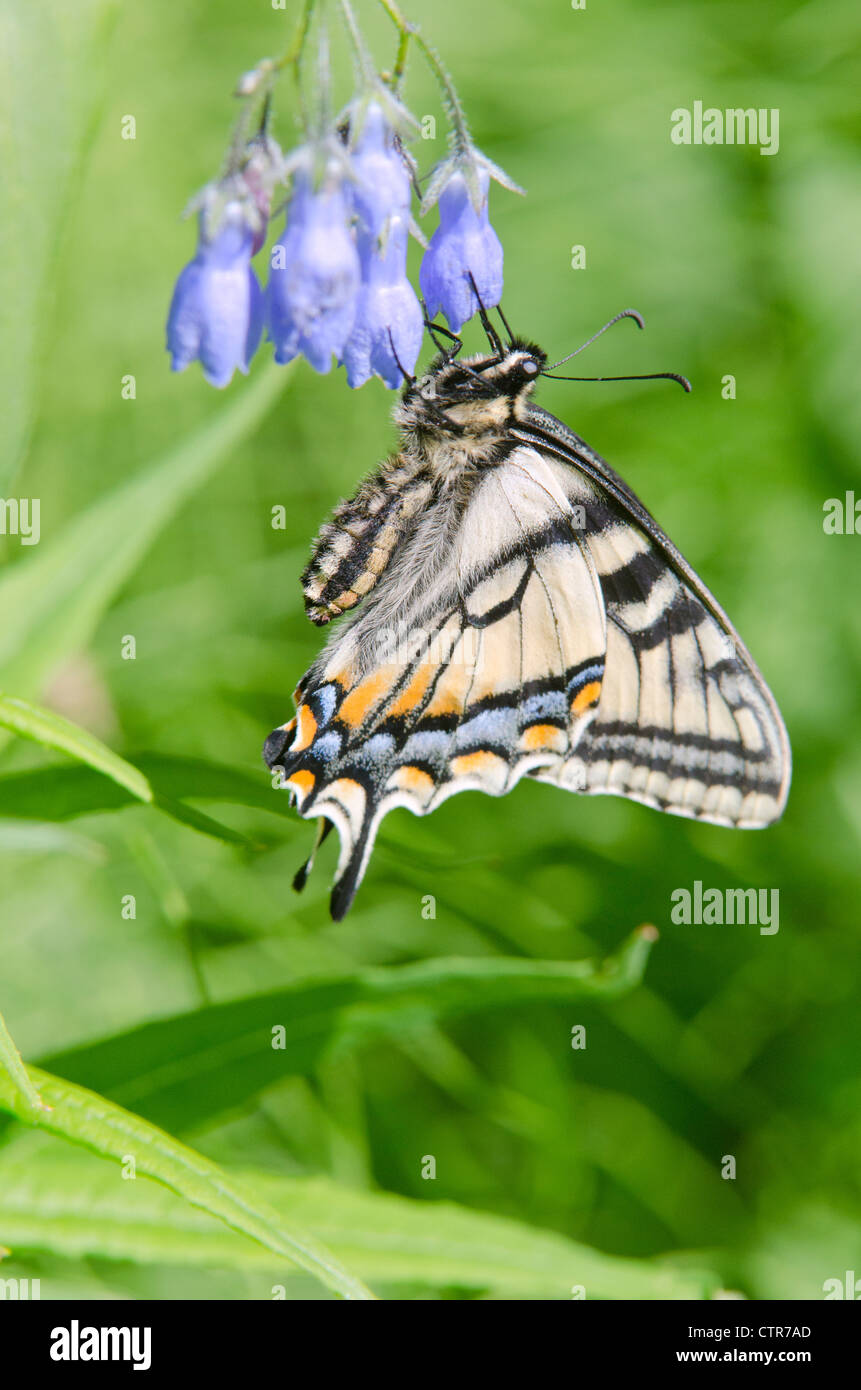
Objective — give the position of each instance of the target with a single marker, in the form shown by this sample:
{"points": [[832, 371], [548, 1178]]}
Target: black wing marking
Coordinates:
{"points": [[686, 723]]}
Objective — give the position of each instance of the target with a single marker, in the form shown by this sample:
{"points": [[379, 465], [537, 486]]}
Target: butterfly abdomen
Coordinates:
{"points": [[355, 547]]}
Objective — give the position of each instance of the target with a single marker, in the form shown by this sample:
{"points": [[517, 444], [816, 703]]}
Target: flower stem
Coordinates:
{"points": [[400, 60], [363, 58], [259, 100], [450, 98], [292, 56]]}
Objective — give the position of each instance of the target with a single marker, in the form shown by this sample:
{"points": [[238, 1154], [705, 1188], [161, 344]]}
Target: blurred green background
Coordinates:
{"points": [[736, 1043]]}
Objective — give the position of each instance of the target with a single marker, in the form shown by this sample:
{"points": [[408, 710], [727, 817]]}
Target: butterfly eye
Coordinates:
{"points": [[529, 367]]}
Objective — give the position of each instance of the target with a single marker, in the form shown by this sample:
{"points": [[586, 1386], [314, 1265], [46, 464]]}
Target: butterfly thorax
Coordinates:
{"points": [[455, 422], [460, 414]]}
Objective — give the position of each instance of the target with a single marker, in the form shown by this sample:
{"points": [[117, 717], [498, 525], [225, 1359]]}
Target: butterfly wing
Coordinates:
{"points": [[685, 723], [495, 672], [555, 631]]}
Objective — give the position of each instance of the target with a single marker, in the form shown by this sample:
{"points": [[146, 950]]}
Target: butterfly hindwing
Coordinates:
{"points": [[498, 683], [686, 722]]}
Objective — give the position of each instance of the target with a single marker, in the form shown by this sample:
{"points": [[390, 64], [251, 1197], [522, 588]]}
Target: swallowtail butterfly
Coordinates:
{"points": [[514, 610]]}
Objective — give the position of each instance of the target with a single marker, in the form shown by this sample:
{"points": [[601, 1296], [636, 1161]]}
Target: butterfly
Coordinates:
{"points": [[514, 610]]}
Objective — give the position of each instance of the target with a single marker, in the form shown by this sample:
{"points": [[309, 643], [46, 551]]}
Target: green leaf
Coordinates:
{"points": [[58, 49], [63, 1204], [78, 791], [53, 731], [180, 1071], [53, 600], [16, 1074], [93, 1122]]}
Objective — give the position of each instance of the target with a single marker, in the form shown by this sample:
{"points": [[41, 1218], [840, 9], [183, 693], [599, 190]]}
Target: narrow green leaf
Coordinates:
{"points": [[206, 825], [89, 1120], [60, 1203], [180, 1071], [78, 791], [16, 1074], [52, 600], [53, 731]]}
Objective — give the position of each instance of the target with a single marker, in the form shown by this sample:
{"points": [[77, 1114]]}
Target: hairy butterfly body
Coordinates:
{"points": [[514, 610]]}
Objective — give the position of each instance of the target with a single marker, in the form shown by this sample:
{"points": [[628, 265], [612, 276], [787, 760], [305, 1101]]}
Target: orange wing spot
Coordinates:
{"points": [[586, 698], [479, 761], [543, 736], [302, 782], [305, 731], [413, 691], [454, 683], [360, 700], [448, 702], [412, 779]]}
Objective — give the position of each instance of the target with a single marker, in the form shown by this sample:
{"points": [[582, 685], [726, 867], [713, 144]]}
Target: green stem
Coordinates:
{"points": [[450, 98], [400, 61], [292, 58], [293, 55], [363, 59]]}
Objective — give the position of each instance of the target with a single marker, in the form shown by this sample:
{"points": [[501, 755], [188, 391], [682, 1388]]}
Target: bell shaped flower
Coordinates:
{"points": [[315, 274], [389, 326], [387, 335], [216, 314], [381, 177], [463, 245]]}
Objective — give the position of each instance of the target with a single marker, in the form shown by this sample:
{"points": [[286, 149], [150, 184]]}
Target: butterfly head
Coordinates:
{"points": [[475, 397]]}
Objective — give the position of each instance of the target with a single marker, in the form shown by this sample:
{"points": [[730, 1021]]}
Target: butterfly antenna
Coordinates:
{"points": [[505, 324], [649, 376], [434, 328], [401, 368], [492, 336], [625, 314], [438, 328]]}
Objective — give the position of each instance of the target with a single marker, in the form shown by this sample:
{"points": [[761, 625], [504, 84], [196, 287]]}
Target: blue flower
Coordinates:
{"points": [[389, 326], [216, 314], [464, 243], [314, 279], [381, 180]]}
